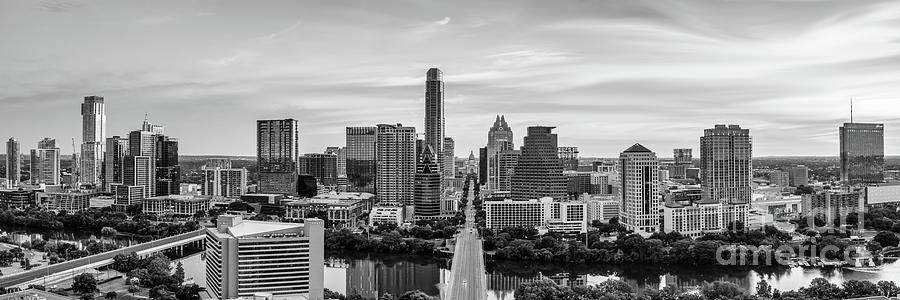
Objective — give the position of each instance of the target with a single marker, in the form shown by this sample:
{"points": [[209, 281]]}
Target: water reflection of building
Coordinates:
{"points": [[502, 286], [697, 283], [370, 279]]}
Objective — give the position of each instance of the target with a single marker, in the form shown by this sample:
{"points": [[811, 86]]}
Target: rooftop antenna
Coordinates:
{"points": [[851, 109]]}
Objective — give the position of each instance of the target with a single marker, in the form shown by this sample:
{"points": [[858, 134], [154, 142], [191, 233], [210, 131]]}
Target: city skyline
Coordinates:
{"points": [[764, 71]]}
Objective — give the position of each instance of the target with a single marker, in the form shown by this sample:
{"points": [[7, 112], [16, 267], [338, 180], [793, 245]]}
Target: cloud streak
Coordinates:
{"points": [[606, 73]]}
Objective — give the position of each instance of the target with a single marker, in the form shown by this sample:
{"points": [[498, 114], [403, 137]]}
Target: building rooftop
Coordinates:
{"points": [[637, 148], [236, 226]]}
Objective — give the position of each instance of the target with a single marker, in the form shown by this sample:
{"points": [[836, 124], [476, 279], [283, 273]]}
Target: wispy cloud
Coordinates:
{"points": [[286, 30], [444, 21]]}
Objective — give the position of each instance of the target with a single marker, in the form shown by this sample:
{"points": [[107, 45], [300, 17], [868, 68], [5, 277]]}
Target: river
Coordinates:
{"points": [[371, 275]]}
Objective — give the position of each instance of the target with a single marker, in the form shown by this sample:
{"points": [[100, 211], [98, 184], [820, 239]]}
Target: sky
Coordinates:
{"points": [[607, 74]]}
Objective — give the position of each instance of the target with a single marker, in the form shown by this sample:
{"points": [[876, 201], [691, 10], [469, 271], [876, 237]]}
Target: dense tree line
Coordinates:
{"points": [[616, 289], [669, 248], [391, 242], [96, 219]]}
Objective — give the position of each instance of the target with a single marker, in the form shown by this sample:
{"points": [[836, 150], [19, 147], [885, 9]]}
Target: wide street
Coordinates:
{"points": [[467, 274]]}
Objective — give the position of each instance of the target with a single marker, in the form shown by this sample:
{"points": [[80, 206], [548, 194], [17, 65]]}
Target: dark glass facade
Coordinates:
{"points": [[862, 153], [360, 156], [168, 171]]}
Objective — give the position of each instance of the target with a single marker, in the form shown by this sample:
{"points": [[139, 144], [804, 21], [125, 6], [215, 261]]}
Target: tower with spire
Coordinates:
{"points": [[500, 138]]}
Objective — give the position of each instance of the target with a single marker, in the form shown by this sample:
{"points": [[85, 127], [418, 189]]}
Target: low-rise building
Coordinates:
{"points": [[342, 210], [833, 204], [540, 213], [102, 201], [246, 258], [779, 205], [882, 194], [386, 214], [701, 217], [176, 205], [18, 198], [601, 208], [68, 201]]}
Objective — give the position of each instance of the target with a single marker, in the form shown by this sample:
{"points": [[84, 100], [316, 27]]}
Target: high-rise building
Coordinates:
{"points": [[639, 190], [568, 157], [500, 138], [277, 155], [140, 164], [506, 164], [395, 157], [799, 175], [862, 153], [114, 162], [683, 160], [726, 164], [45, 163], [168, 170], [449, 157], [286, 260], [360, 155], [482, 165], [538, 172], [427, 191], [321, 166], [222, 182], [434, 114], [93, 114], [221, 163], [138, 172], [155, 129], [13, 161], [341, 160]]}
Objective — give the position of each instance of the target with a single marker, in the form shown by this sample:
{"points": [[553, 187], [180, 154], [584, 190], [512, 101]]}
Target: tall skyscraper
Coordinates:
{"points": [[538, 172], [683, 161], [321, 166], [114, 162], [639, 190], [434, 114], [395, 157], [449, 155], [277, 153], [360, 155], [168, 170], [45, 163], [139, 177], [862, 153], [93, 118], [341, 159], [140, 164], [13, 161], [500, 138], [427, 191], [726, 164]]}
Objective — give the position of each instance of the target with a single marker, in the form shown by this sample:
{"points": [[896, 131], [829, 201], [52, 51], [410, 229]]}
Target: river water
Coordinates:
{"points": [[371, 275]]}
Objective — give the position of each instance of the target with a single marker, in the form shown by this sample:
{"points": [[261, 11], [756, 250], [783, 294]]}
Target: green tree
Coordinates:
{"points": [[820, 288], [188, 292], [858, 289], [722, 290], [111, 295], [415, 295], [179, 272], [888, 288], [763, 289], [887, 239], [84, 284]]}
